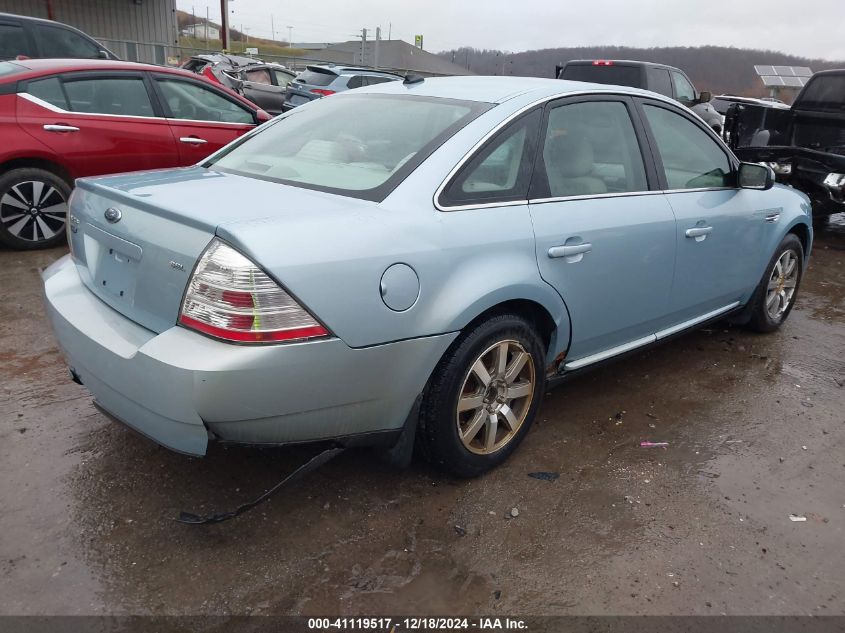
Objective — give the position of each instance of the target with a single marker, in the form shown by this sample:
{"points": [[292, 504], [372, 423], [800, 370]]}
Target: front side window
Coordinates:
{"points": [[282, 79], [683, 88], [125, 96], [501, 171], [691, 158], [590, 148], [373, 80], [49, 90], [355, 145], [56, 42], [12, 41], [187, 100]]}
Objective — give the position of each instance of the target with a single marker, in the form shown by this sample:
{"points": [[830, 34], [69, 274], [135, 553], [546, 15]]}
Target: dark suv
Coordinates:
{"points": [[666, 80], [34, 38]]}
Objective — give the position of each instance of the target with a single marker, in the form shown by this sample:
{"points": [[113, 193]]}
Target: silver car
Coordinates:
{"points": [[414, 262]]}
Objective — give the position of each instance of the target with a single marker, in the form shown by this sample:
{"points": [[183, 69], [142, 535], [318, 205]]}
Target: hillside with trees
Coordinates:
{"points": [[719, 69]]}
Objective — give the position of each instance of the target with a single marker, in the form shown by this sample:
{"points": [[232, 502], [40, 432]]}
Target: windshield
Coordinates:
{"points": [[361, 146], [823, 92]]}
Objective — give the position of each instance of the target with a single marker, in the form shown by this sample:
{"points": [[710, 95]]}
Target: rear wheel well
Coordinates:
{"points": [[531, 311], [38, 163], [803, 234]]}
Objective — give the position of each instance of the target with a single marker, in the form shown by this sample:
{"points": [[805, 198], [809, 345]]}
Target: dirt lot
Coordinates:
{"points": [[756, 432]]}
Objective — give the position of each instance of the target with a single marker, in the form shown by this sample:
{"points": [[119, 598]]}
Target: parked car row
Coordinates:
{"points": [[65, 119]]}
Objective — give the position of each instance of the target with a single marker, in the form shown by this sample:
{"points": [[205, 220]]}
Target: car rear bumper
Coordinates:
{"points": [[179, 387]]}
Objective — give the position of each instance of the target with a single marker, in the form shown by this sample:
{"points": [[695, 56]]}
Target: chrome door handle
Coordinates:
{"points": [[57, 127], [771, 218], [570, 250], [699, 232], [193, 140]]}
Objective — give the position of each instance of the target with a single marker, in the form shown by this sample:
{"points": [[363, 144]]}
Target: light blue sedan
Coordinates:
{"points": [[414, 262]]}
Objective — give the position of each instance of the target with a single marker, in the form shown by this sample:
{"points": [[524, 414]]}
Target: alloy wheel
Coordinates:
{"points": [[33, 210], [782, 285], [495, 397]]}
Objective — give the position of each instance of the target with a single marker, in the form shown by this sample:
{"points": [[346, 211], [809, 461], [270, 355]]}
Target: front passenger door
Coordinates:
{"points": [[719, 231], [605, 238], [202, 119]]}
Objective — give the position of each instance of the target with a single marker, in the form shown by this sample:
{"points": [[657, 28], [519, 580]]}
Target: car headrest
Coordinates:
{"points": [[569, 154]]}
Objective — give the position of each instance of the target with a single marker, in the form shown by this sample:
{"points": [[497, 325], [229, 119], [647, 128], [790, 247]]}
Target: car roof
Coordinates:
{"points": [[497, 89], [34, 19], [620, 62], [38, 67], [341, 70]]}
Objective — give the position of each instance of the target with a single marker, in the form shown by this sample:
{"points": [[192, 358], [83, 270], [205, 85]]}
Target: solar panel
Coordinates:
{"points": [[786, 76]]}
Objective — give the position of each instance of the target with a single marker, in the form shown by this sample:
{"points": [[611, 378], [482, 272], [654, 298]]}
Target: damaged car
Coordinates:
{"points": [[414, 263], [804, 144]]}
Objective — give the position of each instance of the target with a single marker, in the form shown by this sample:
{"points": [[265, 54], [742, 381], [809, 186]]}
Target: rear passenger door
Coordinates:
{"points": [[605, 235], [719, 228], [202, 118], [97, 122]]}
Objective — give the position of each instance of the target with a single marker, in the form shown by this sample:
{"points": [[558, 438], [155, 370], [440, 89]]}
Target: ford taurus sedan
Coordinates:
{"points": [[414, 261]]}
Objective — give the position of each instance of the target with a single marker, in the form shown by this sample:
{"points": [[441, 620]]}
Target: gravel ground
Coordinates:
{"points": [[756, 433]]}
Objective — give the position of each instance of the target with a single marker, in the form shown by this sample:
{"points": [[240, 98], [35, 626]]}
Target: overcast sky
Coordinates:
{"points": [[810, 28]]}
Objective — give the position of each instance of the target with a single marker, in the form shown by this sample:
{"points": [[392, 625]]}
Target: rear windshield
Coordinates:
{"points": [[826, 92], [360, 146], [316, 77], [613, 75]]}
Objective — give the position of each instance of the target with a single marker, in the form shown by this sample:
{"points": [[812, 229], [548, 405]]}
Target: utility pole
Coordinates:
{"points": [[224, 23], [363, 46], [290, 37], [206, 27], [389, 31], [272, 28], [375, 53]]}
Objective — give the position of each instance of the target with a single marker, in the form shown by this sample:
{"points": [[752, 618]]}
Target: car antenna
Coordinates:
{"points": [[413, 78]]}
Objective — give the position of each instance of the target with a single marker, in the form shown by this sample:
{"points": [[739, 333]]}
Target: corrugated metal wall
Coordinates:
{"points": [[149, 23]]}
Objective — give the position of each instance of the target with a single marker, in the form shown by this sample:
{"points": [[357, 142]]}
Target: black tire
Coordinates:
{"points": [[761, 320], [438, 431], [27, 223]]}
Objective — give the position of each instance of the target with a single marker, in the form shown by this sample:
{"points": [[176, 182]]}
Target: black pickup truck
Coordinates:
{"points": [[805, 145]]}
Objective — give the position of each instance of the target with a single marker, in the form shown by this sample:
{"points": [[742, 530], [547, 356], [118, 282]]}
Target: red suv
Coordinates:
{"points": [[64, 119]]}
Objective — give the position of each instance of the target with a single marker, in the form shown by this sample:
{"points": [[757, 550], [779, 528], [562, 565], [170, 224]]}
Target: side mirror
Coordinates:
{"points": [[756, 176], [704, 96], [262, 117], [103, 55]]}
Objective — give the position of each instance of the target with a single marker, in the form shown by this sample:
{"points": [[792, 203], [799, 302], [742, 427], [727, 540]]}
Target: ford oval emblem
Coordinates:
{"points": [[112, 215]]}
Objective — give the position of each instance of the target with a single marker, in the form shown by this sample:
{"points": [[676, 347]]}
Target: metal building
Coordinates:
{"points": [[135, 30]]}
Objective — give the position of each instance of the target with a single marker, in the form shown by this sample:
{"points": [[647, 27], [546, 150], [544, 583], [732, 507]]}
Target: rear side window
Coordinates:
{"points": [[614, 75], [659, 81], [187, 100], [259, 76], [12, 41], [691, 158], [122, 96], [49, 90], [355, 82], [56, 42], [501, 171], [590, 148], [316, 77]]}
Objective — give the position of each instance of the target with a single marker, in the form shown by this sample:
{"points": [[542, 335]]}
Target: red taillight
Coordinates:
{"points": [[323, 92], [210, 75], [602, 62], [230, 298]]}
